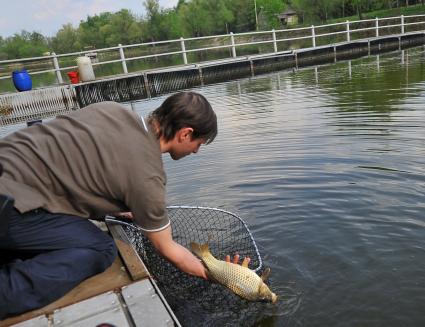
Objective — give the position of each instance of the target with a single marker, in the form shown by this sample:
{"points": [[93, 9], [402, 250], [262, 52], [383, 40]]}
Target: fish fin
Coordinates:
{"points": [[265, 274], [200, 249], [245, 263]]}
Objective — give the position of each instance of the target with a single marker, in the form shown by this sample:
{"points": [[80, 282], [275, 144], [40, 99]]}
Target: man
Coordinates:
{"points": [[99, 160]]}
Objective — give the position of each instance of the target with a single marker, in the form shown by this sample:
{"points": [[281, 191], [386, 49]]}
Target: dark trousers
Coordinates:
{"points": [[45, 255]]}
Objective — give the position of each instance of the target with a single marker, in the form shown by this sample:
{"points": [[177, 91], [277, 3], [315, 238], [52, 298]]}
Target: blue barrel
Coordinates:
{"points": [[22, 80]]}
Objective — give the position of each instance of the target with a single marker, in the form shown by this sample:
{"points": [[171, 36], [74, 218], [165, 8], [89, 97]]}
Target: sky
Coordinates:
{"points": [[48, 16]]}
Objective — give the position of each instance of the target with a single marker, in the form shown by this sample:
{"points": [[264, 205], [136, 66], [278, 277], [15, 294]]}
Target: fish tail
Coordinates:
{"points": [[201, 250]]}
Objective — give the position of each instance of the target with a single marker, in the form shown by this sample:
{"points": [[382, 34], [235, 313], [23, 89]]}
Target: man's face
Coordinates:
{"points": [[185, 147]]}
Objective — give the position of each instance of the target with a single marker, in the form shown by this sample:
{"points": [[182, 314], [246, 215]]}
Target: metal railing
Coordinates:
{"points": [[37, 104], [227, 46]]}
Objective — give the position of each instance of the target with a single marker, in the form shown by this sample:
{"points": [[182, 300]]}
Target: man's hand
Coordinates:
{"points": [[236, 258]]}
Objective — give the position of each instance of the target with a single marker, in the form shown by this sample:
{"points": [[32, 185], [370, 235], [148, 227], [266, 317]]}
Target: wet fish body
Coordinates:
{"points": [[238, 278]]}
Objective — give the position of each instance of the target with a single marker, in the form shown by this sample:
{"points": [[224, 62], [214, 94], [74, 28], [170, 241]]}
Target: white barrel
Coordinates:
{"points": [[85, 69]]}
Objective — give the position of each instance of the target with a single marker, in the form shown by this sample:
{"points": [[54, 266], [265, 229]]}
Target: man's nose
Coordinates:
{"points": [[197, 149]]}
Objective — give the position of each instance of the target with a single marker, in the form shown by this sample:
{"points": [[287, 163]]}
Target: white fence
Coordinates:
{"points": [[232, 45], [36, 104]]}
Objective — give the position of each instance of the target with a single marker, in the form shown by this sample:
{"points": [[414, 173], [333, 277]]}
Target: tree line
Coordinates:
{"points": [[190, 18]]}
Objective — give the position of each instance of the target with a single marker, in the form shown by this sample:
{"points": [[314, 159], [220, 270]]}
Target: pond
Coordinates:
{"points": [[326, 166]]}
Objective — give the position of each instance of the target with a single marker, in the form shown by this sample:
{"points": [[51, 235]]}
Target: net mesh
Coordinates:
{"points": [[194, 301]]}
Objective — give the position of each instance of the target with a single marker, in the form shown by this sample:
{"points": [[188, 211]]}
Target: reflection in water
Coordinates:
{"points": [[349, 69], [378, 67], [326, 165]]}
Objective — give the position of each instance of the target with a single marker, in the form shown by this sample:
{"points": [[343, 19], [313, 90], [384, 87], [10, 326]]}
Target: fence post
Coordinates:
{"points": [[274, 40], [313, 36], [348, 30], [232, 41], [124, 64], [57, 68], [402, 24], [183, 50], [376, 26]]}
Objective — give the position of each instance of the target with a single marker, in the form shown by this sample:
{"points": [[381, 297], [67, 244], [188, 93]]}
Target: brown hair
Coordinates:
{"points": [[185, 109]]}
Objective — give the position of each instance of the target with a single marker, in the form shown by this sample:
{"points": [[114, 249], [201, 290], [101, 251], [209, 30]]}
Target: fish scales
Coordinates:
{"points": [[241, 280]]}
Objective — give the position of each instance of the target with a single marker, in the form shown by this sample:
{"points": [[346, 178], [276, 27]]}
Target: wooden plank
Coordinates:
{"points": [[113, 278], [145, 305], [102, 309], [129, 255]]}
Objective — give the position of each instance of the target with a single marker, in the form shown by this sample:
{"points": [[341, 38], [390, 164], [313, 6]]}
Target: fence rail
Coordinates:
{"points": [[37, 104], [234, 45]]}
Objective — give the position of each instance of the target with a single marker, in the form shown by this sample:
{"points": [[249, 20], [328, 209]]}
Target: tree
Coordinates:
{"points": [[270, 9], [90, 32], [359, 5], [204, 17], [180, 3], [3, 54], [65, 40], [123, 28], [188, 18], [24, 45], [244, 15], [153, 19], [171, 25]]}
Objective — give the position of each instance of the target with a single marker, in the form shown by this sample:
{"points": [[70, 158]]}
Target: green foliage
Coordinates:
{"points": [[66, 40], [195, 18], [244, 15], [24, 45], [123, 28], [205, 17], [153, 22], [94, 31], [267, 13], [393, 12], [171, 24]]}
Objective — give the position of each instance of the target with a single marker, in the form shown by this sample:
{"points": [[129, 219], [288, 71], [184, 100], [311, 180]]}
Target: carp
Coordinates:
{"points": [[238, 278]]}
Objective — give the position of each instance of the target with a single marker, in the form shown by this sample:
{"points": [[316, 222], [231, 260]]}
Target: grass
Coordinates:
{"points": [[406, 11]]}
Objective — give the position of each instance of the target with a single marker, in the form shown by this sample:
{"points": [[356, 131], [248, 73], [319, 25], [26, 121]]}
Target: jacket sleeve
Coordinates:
{"points": [[146, 200]]}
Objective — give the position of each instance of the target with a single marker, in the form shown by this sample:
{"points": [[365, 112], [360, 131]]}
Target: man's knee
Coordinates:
{"points": [[110, 252], [102, 246], [33, 283], [106, 251]]}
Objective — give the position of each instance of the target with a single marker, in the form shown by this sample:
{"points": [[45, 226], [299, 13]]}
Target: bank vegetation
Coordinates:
{"points": [[193, 18]]}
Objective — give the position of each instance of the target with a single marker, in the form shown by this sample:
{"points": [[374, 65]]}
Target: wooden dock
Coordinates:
{"points": [[124, 296]]}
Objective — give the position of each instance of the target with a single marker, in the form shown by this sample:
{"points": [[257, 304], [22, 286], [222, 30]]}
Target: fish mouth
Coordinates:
{"points": [[274, 298]]}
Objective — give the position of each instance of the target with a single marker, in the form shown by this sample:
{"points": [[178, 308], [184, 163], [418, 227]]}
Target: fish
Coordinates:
{"points": [[238, 278]]}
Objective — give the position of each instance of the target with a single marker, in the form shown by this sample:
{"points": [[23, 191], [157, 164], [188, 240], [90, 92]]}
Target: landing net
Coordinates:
{"points": [[194, 301]]}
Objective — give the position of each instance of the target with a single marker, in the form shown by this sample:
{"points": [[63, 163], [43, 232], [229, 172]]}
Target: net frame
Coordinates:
{"points": [[194, 300], [254, 253]]}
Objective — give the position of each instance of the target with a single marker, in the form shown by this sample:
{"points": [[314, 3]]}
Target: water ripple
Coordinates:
{"points": [[326, 164]]}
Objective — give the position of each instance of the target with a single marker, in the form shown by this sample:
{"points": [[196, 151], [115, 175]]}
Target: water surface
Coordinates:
{"points": [[326, 166]]}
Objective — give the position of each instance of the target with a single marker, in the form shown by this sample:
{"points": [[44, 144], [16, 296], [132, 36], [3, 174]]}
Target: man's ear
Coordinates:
{"points": [[185, 133]]}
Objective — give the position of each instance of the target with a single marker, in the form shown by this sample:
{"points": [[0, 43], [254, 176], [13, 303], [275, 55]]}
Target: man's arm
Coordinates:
{"points": [[177, 254]]}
